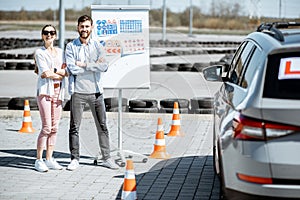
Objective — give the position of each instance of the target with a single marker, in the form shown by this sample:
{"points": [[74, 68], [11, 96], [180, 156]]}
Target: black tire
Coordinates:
{"points": [[144, 110], [30, 56], [170, 110], [227, 58], [187, 52], [2, 55], [32, 66], [2, 65], [112, 102], [10, 65], [169, 103], [17, 103], [143, 103], [22, 56], [178, 52], [202, 111], [201, 102], [185, 67], [4, 103], [116, 109], [67, 106], [158, 67], [198, 67], [223, 190], [170, 53], [11, 56], [172, 66], [23, 66]]}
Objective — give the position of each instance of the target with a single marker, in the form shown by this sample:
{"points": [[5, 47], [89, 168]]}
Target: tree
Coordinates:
{"points": [[185, 15], [23, 15]]}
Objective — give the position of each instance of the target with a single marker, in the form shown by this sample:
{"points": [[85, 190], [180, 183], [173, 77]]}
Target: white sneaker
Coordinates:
{"points": [[109, 163], [74, 164], [52, 164], [40, 166]]}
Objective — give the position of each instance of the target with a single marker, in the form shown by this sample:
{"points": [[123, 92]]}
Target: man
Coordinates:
{"points": [[85, 63]]}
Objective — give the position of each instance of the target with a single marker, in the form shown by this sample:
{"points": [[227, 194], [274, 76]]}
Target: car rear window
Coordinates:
{"points": [[282, 79]]}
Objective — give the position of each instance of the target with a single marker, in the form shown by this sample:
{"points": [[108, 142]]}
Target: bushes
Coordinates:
{"points": [[225, 16]]}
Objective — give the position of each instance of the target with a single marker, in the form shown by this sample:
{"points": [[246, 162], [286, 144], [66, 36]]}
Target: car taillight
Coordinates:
{"points": [[245, 128], [254, 179]]}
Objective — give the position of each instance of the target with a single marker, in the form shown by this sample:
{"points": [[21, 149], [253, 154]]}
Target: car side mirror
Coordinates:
{"points": [[213, 73]]}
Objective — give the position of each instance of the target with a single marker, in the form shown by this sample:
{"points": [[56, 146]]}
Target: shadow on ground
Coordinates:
{"points": [[25, 158], [190, 177]]}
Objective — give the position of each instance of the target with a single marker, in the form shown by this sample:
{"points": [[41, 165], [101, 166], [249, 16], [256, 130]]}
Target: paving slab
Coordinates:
{"points": [[188, 174]]}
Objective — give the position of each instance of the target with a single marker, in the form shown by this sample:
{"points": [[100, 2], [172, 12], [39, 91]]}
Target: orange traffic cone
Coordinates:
{"points": [[160, 144], [129, 185], [27, 123], [175, 127]]}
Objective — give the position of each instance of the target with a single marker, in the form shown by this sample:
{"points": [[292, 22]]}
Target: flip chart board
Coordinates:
{"points": [[124, 33]]}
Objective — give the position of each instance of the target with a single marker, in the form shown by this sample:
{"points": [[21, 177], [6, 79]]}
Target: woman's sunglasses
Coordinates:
{"points": [[47, 32]]}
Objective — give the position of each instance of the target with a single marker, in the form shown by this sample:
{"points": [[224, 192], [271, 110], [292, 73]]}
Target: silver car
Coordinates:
{"points": [[257, 116]]}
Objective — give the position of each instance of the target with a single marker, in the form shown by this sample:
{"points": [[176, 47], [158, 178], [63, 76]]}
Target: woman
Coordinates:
{"points": [[50, 93]]}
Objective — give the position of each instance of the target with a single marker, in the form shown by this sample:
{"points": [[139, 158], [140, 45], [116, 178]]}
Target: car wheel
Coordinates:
{"points": [[216, 161], [223, 190]]}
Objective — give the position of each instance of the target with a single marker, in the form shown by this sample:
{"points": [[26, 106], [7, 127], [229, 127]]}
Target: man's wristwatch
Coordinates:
{"points": [[55, 70]]}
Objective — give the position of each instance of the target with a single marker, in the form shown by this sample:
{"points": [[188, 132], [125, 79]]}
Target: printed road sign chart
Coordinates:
{"points": [[124, 34]]}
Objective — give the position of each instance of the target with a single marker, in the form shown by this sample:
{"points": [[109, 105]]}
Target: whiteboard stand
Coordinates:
{"points": [[115, 24], [120, 139]]}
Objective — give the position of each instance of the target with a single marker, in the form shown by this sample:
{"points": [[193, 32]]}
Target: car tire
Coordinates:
{"points": [[223, 190]]}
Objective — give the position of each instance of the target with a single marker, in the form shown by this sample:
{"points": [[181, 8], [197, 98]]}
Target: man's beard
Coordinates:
{"points": [[82, 33]]}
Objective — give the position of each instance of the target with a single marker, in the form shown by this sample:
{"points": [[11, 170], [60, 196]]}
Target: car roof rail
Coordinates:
{"points": [[273, 28]]}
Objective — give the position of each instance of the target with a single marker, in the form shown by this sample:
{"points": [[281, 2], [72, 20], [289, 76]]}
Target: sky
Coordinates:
{"points": [[268, 8]]}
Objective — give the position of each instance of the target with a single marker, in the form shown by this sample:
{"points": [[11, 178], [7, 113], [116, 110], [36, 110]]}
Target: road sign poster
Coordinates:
{"points": [[123, 31]]}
